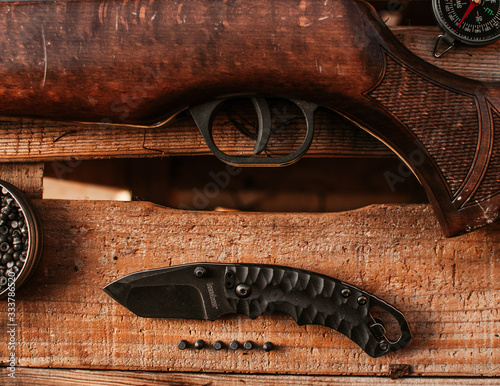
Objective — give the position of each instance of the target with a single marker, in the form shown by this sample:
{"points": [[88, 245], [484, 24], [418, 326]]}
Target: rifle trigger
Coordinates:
{"points": [[264, 121]]}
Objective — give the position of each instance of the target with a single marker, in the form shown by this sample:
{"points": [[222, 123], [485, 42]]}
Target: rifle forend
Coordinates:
{"points": [[76, 60]]}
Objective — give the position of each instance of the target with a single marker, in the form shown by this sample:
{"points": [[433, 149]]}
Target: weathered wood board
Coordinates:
{"points": [[467, 61], [449, 289], [58, 377], [28, 177], [48, 141]]}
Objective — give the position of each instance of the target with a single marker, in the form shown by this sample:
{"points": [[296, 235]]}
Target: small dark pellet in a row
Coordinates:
{"points": [[219, 345], [13, 238]]}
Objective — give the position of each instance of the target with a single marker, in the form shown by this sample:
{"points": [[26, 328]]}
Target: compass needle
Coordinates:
{"points": [[473, 22], [472, 5]]}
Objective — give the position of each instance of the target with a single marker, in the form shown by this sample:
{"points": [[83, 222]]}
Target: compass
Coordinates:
{"points": [[471, 22]]}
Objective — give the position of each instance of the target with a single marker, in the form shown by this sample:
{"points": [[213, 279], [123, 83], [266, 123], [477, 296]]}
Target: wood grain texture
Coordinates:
{"points": [[64, 67], [48, 141], [449, 289], [28, 177], [471, 62], [336, 54], [58, 377]]}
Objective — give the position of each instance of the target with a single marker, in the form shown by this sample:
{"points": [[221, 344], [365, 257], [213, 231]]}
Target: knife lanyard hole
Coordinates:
{"points": [[388, 321]]}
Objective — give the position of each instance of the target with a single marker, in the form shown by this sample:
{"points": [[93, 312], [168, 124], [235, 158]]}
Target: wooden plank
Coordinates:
{"points": [[59, 377], [29, 140], [449, 289], [477, 63], [27, 177]]}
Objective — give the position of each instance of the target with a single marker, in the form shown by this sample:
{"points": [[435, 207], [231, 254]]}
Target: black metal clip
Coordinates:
{"points": [[204, 115]]}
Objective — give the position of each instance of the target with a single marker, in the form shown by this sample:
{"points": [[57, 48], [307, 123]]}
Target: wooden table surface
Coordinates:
{"points": [[69, 330]]}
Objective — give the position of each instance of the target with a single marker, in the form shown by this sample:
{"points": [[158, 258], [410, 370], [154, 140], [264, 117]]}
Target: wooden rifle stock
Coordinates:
{"points": [[141, 62]]}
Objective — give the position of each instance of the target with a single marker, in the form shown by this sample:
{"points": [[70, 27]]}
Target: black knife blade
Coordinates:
{"points": [[211, 290]]}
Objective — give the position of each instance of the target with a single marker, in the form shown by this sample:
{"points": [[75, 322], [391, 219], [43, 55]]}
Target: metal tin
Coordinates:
{"points": [[34, 238]]}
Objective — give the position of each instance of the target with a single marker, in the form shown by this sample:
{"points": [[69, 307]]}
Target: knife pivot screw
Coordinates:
{"points": [[268, 346], [199, 344], [243, 290], [234, 345], [248, 345], [200, 272], [362, 300], [383, 346], [183, 344], [219, 345], [346, 292]]}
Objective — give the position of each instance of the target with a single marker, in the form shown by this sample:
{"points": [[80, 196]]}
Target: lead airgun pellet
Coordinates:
{"points": [[20, 238]]}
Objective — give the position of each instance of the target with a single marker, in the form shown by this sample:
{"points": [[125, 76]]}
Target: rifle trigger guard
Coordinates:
{"points": [[204, 116]]}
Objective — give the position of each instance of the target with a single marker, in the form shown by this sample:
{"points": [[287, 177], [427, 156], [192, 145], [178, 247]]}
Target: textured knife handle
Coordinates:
{"points": [[310, 298]]}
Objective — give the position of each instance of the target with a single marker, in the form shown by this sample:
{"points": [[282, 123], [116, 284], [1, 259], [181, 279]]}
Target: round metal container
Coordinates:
{"points": [[20, 239]]}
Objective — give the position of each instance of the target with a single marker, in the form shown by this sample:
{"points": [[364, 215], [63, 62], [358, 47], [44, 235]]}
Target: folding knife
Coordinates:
{"points": [[209, 291]]}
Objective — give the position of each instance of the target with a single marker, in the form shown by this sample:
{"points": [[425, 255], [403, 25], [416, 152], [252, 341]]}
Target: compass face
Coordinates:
{"points": [[473, 22]]}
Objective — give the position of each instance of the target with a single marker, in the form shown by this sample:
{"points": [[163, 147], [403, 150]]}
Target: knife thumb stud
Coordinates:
{"points": [[243, 290]]}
